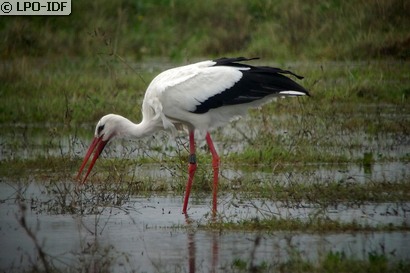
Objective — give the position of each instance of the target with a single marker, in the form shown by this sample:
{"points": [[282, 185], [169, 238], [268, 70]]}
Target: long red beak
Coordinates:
{"points": [[98, 145]]}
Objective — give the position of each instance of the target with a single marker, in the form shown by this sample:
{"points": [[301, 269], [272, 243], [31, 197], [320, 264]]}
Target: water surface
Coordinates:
{"points": [[150, 234]]}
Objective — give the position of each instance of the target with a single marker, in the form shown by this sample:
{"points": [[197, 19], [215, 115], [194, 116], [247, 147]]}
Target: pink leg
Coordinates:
{"points": [[215, 165], [191, 169]]}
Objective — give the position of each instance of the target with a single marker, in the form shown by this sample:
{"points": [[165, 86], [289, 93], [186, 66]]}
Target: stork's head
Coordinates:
{"points": [[107, 128]]}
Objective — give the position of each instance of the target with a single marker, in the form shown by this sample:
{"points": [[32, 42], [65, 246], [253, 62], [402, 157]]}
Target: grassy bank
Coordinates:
{"points": [[273, 29]]}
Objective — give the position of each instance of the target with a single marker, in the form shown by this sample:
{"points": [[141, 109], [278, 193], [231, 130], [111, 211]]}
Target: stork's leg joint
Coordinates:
{"points": [[192, 159], [191, 167]]}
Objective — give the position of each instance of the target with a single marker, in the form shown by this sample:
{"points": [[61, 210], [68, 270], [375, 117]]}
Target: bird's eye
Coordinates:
{"points": [[100, 128]]}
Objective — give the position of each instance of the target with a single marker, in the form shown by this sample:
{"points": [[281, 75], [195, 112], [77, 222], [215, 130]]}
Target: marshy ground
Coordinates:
{"points": [[318, 184]]}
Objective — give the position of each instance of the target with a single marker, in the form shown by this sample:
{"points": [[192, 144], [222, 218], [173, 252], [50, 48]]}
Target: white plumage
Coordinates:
{"points": [[175, 93], [198, 96]]}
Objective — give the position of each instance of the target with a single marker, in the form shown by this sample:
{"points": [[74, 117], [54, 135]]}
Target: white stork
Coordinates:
{"points": [[199, 96]]}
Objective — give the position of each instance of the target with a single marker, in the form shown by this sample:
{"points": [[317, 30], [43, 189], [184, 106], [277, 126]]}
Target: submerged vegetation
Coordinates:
{"points": [[331, 262]]}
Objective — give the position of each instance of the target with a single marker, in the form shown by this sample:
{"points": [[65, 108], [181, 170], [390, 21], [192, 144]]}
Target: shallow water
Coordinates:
{"points": [[150, 234]]}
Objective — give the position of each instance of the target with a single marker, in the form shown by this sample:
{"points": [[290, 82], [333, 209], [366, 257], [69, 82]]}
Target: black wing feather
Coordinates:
{"points": [[256, 83]]}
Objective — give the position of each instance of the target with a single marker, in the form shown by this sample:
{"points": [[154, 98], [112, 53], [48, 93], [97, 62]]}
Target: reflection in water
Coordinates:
{"points": [[191, 231], [191, 251], [215, 251], [139, 236]]}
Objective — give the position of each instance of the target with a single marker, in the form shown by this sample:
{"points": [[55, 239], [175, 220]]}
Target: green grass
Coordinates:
{"points": [[66, 92], [274, 29], [320, 225], [77, 91]]}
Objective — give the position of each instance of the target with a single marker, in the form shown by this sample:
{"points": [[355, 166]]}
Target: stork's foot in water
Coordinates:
{"points": [[191, 173]]}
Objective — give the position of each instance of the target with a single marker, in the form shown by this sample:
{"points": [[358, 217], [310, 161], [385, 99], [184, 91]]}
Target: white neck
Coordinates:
{"points": [[143, 129], [124, 128]]}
